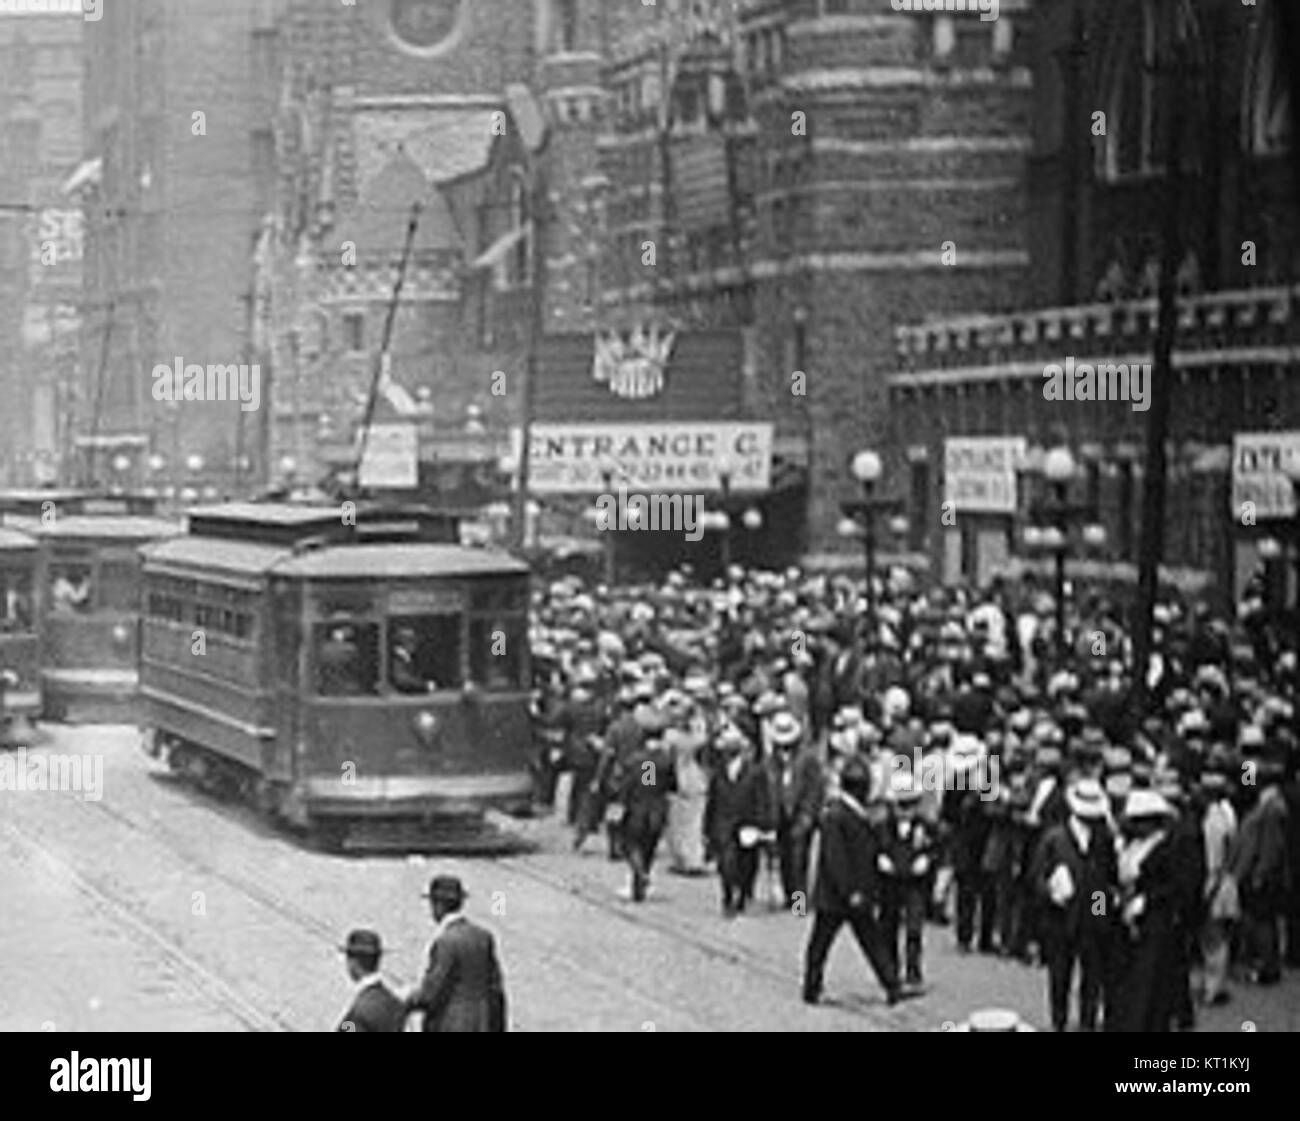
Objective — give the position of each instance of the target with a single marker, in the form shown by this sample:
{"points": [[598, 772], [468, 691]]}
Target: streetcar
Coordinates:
{"points": [[366, 683], [84, 598], [19, 643]]}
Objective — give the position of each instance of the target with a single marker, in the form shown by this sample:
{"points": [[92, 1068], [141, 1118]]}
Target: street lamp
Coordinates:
{"points": [[867, 469], [1058, 467]]}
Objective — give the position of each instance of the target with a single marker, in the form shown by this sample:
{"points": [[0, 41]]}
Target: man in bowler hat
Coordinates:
{"points": [[375, 1007], [462, 989]]}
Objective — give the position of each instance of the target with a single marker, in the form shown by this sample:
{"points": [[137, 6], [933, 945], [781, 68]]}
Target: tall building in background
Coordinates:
{"points": [[41, 236], [178, 110]]}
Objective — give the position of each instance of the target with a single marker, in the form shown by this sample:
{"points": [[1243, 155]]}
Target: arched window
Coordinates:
{"points": [[565, 34], [1144, 42], [1266, 112]]}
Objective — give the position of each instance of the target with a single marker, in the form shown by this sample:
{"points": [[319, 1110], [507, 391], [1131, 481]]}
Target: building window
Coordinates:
{"points": [[566, 25], [1266, 114], [354, 331], [424, 25], [1136, 112]]}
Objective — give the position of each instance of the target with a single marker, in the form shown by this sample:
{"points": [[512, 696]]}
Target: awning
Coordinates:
{"points": [[89, 173], [493, 255]]}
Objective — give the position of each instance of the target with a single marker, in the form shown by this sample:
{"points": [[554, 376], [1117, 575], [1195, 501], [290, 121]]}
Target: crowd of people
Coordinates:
{"points": [[942, 756]]}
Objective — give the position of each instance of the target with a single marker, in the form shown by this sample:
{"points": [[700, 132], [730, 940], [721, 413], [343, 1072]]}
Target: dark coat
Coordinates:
{"points": [[1093, 872], [1145, 974], [904, 841], [645, 803], [797, 797], [462, 989], [374, 1008], [730, 805], [846, 859]]}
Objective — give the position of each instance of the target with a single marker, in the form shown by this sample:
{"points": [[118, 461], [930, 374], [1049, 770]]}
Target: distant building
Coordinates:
{"points": [[41, 237], [965, 383], [179, 100]]}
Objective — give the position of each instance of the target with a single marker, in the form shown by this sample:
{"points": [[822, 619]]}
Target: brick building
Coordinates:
{"points": [[41, 235], [178, 103], [1093, 225], [802, 166], [481, 112]]}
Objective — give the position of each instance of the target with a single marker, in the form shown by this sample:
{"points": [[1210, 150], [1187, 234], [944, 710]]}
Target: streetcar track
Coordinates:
{"points": [[551, 949], [202, 980]]}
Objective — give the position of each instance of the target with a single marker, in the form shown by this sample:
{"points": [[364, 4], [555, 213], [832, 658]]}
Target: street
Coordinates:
{"points": [[159, 909]]}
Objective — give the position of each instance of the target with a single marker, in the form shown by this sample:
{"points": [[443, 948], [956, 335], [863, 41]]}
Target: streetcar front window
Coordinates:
{"points": [[70, 588], [346, 658], [496, 647], [16, 606], [424, 653]]}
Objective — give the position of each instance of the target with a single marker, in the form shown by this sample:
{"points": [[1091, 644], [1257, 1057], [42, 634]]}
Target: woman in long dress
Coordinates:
{"points": [[686, 806]]}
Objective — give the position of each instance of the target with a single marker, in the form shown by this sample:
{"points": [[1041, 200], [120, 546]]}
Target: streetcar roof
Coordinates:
{"points": [[116, 527], [13, 540], [400, 560], [378, 561], [214, 554]]}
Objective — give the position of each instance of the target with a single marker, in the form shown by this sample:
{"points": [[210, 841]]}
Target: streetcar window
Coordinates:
{"points": [[346, 659], [119, 586], [424, 653], [70, 588], [496, 649], [16, 605]]}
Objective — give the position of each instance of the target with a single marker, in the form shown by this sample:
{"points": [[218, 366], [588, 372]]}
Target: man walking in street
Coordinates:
{"points": [[1076, 874], [847, 886], [462, 989], [374, 1007]]}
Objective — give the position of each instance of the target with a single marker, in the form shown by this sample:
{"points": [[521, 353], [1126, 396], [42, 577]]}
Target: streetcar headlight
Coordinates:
{"points": [[426, 727]]}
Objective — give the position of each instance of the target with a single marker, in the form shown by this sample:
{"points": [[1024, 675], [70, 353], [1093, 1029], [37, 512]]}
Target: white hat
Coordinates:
{"points": [[994, 1019], [1147, 803], [1252, 735], [784, 729], [1086, 799]]}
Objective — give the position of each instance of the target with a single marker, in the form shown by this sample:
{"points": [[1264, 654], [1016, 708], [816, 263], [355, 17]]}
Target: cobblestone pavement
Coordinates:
{"points": [[157, 908]]}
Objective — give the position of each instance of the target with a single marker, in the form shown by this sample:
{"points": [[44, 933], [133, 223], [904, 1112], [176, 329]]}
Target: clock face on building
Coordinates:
{"points": [[424, 23]]}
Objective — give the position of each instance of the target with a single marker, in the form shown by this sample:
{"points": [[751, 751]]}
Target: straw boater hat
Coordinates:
{"points": [[785, 729], [1086, 799], [1147, 803], [994, 1019]]}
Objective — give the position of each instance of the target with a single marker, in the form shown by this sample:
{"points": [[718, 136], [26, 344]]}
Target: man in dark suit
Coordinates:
{"points": [[798, 788], [1075, 874], [462, 989], [642, 782], [375, 1007], [738, 805], [846, 887]]}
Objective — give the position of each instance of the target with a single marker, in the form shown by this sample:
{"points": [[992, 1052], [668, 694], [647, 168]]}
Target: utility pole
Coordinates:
{"points": [[380, 359], [540, 220], [1172, 73]]}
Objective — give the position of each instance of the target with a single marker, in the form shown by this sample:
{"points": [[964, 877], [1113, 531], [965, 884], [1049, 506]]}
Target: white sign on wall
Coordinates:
{"points": [[669, 456], [392, 457], [1258, 473], [979, 473]]}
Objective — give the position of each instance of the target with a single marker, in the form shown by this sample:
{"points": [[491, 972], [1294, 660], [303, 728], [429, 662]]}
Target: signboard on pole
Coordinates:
{"points": [[665, 456], [1259, 475], [979, 473], [392, 458]]}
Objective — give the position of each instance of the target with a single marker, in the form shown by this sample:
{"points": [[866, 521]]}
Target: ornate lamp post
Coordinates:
{"points": [[860, 519]]}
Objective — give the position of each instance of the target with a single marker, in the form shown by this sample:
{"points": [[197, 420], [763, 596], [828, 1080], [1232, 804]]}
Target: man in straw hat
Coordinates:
{"points": [[1075, 875], [462, 989], [904, 862], [798, 787], [1142, 999], [738, 810], [374, 1007]]}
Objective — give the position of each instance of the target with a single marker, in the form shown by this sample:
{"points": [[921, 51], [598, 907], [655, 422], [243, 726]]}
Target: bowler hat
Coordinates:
{"points": [[447, 888], [362, 943]]}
